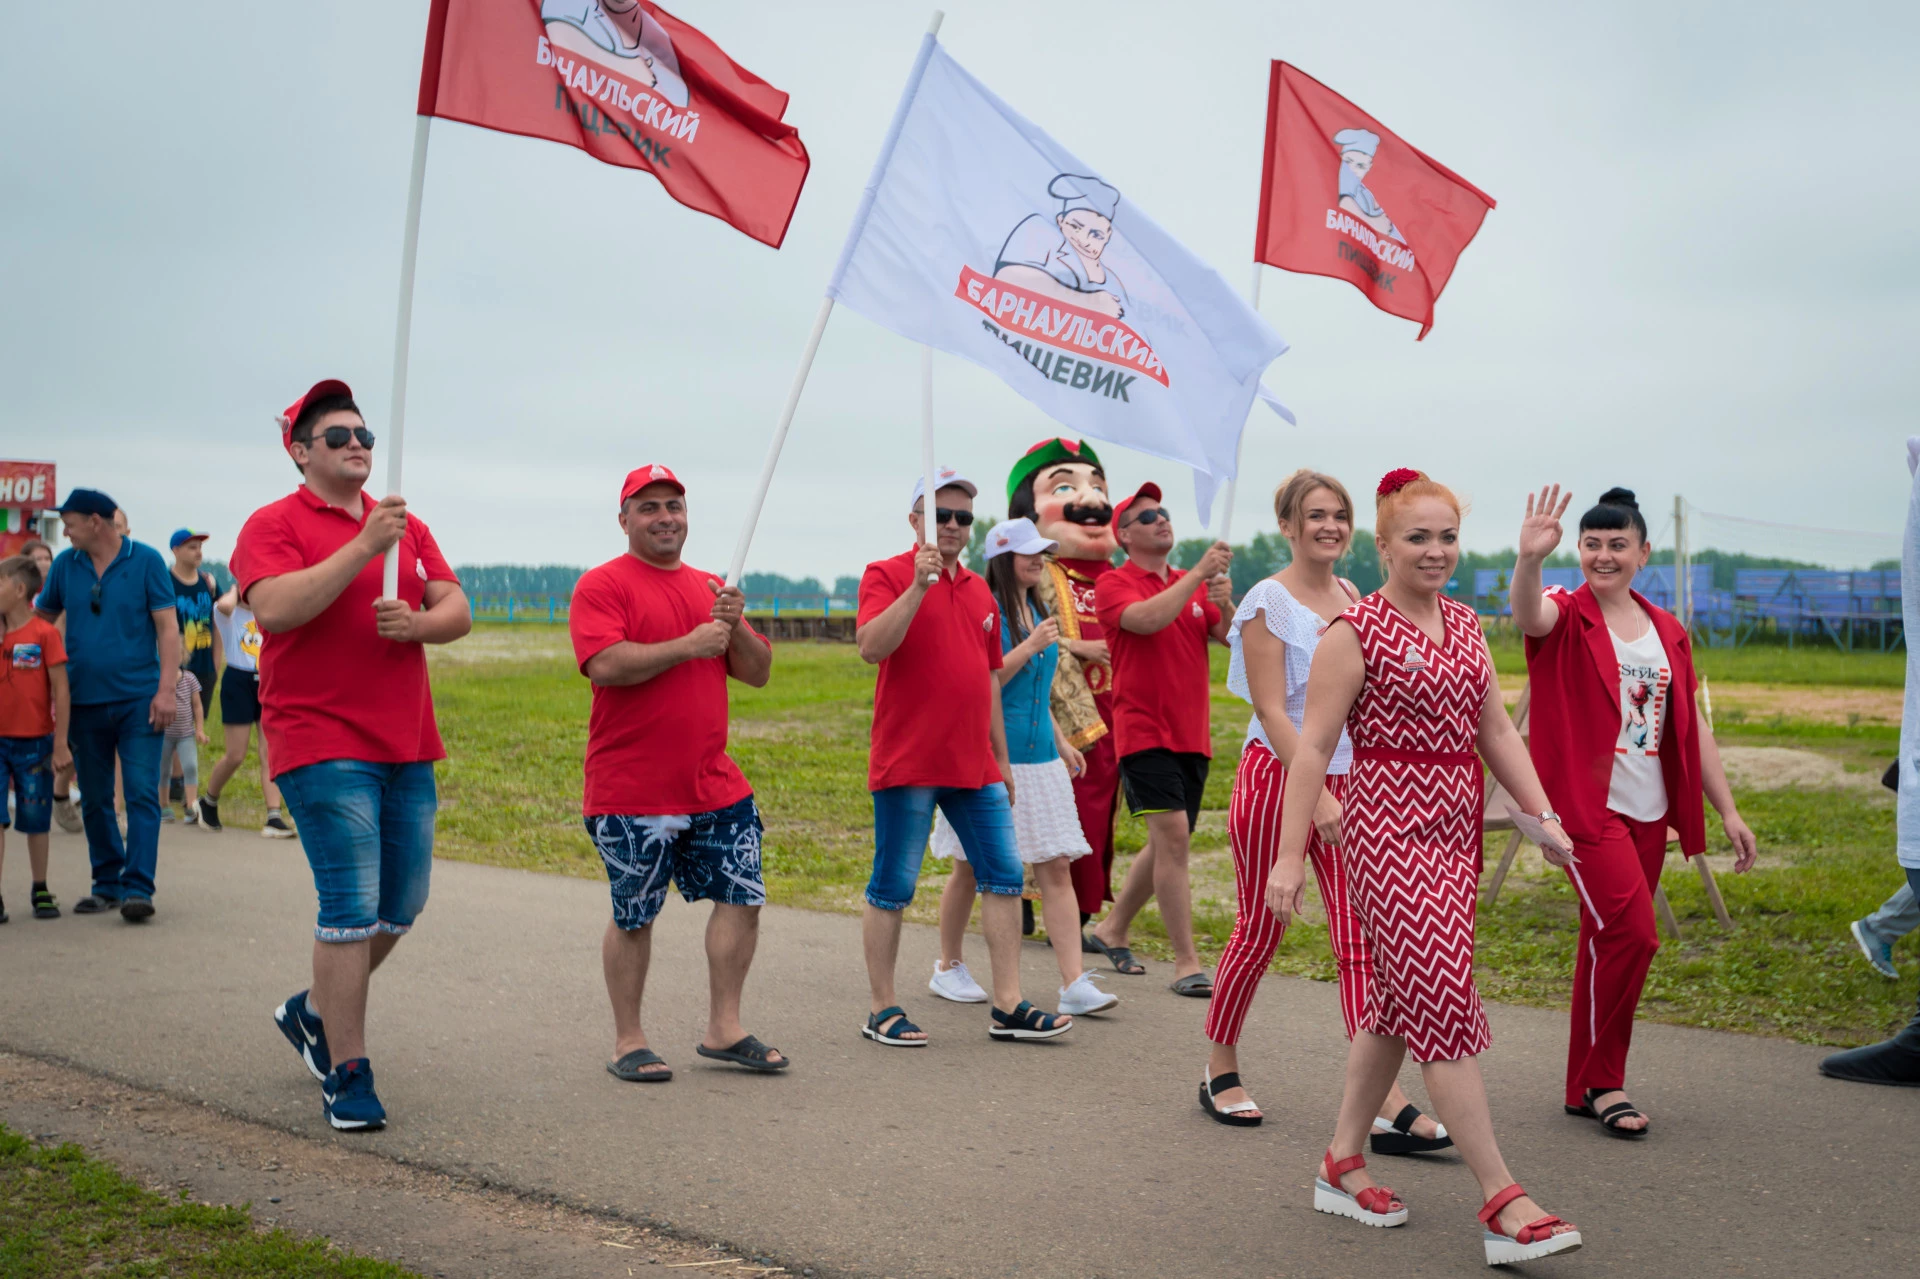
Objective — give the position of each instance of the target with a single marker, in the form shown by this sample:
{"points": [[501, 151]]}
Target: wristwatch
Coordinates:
{"points": [[1548, 815]]}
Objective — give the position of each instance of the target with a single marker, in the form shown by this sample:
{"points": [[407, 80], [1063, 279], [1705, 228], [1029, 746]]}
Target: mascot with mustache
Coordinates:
{"points": [[1060, 486]]}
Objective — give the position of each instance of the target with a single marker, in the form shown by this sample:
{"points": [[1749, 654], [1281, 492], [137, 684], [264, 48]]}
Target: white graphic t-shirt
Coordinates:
{"points": [[1646, 677], [240, 636]]}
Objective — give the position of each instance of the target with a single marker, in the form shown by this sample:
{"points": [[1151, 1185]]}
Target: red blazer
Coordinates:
{"points": [[1575, 719]]}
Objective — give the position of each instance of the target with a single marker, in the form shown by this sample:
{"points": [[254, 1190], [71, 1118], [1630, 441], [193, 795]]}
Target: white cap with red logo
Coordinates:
{"points": [[944, 477]]}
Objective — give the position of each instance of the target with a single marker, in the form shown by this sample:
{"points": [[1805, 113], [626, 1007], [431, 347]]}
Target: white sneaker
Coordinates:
{"points": [[1085, 997], [957, 984]]}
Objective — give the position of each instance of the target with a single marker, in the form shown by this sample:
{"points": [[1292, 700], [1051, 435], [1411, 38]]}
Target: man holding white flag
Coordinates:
{"points": [[982, 236]]}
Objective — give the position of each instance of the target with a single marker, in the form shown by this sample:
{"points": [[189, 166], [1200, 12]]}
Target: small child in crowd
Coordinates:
{"points": [[33, 721], [186, 732]]}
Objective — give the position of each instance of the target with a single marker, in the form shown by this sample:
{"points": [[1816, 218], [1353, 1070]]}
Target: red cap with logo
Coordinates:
{"points": [[324, 387], [1149, 490], [652, 473]]}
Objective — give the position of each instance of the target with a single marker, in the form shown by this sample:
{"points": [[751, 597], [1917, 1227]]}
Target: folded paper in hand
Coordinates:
{"points": [[1532, 828]]}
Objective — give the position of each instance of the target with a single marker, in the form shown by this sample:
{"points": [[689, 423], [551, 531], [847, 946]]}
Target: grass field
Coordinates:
{"points": [[514, 713], [63, 1214]]}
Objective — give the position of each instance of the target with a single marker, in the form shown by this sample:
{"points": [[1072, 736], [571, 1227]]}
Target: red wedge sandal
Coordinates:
{"points": [[1373, 1206], [1536, 1239]]}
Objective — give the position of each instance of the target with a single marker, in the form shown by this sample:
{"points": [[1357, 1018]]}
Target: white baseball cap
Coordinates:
{"points": [[1017, 537], [944, 477]]}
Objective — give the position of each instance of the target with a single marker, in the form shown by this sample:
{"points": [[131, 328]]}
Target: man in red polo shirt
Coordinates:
{"points": [[938, 740], [659, 638], [348, 720], [1158, 625]]}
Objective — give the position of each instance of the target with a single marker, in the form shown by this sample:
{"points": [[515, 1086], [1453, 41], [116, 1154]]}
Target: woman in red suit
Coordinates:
{"points": [[1406, 671], [1616, 741]]}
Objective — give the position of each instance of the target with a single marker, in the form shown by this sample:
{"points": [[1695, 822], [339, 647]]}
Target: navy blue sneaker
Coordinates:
{"points": [[308, 1037], [347, 1099]]}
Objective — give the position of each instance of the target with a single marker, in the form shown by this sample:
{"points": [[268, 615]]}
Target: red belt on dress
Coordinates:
{"points": [[1390, 754]]}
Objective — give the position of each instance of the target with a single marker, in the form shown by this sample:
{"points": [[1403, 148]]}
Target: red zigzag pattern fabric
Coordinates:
{"points": [[1413, 827]]}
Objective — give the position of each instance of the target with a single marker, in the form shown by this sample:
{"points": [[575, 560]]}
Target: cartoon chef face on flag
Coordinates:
{"points": [[621, 36], [1356, 160], [1059, 255]]}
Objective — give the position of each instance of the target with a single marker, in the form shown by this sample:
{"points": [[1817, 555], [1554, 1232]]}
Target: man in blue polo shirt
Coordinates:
{"points": [[123, 659]]}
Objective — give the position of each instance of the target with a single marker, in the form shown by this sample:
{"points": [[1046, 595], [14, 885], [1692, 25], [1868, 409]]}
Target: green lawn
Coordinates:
{"points": [[515, 726], [63, 1214]]}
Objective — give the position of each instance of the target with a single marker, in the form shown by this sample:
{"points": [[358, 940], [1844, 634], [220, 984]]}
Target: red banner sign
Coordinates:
{"points": [[27, 484]]}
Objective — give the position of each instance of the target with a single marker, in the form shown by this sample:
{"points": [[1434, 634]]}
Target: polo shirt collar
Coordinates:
{"points": [[126, 551], [313, 501]]}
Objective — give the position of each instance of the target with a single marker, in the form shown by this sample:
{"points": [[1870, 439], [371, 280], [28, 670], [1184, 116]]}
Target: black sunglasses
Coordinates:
{"points": [[941, 515], [1153, 516], [337, 436], [94, 601]]}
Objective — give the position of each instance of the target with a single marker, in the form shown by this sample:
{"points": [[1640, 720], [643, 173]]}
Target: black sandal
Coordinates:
{"points": [[1399, 1138], [749, 1052], [1121, 957], [1194, 986], [1234, 1115], [1610, 1117], [628, 1068], [892, 1037], [44, 905]]}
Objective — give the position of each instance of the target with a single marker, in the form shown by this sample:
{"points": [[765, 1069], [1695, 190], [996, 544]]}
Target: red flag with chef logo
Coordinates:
{"points": [[629, 84], [1343, 196]]}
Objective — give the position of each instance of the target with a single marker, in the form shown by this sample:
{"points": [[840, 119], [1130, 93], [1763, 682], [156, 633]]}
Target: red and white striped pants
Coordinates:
{"points": [[1253, 827]]}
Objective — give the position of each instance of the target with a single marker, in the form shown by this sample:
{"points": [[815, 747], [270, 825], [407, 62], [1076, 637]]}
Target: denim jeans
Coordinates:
{"points": [[1910, 1037], [903, 820], [99, 732], [1897, 916], [367, 830]]}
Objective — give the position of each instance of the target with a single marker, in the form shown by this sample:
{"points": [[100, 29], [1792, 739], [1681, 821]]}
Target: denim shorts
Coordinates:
{"points": [[368, 833], [709, 856], [26, 763], [903, 820]]}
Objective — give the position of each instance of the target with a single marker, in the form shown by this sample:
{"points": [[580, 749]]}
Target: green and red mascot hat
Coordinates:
{"points": [[1055, 452]]}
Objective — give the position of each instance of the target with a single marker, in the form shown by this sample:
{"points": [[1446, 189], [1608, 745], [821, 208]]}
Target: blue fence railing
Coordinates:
{"points": [[553, 608]]}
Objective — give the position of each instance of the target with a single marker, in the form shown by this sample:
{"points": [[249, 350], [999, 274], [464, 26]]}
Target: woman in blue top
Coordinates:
{"points": [[1046, 825]]}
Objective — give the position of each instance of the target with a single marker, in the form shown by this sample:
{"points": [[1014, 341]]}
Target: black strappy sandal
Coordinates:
{"points": [[1399, 1138], [1610, 1117], [1235, 1114], [1121, 957]]}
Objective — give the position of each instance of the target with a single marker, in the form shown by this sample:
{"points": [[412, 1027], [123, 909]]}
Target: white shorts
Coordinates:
{"points": [[1046, 825]]}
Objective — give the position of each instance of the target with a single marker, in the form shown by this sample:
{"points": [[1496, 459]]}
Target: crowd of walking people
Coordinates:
{"points": [[1060, 684]]}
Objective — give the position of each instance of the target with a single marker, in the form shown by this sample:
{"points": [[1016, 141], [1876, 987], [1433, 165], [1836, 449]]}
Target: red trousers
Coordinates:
{"points": [[1095, 793], [1615, 878], [1253, 827]]}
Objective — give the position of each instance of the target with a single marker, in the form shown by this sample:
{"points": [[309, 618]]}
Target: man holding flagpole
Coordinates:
{"points": [[348, 717], [933, 629]]}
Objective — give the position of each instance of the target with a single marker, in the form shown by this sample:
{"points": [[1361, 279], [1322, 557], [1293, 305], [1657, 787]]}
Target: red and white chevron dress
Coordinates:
{"points": [[1412, 824]]}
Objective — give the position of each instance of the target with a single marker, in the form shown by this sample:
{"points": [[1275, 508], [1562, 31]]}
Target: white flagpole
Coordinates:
{"points": [[1240, 445], [929, 513], [396, 431]]}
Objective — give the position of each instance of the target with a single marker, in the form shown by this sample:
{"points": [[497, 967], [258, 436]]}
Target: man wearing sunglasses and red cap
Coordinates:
{"points": [[348, 719], [659, 639], [1158, 623]]}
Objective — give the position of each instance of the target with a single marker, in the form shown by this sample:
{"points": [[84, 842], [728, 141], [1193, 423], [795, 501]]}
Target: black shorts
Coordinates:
{"points": [[239, 697], [206, 683], [1162, 781]]}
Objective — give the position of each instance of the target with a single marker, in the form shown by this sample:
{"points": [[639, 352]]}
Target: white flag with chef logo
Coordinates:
{"points": [[980, 235]]}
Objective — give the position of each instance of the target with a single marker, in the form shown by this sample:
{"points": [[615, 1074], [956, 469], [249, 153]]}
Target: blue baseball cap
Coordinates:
{"points": [[88, 502], [182, 536]]}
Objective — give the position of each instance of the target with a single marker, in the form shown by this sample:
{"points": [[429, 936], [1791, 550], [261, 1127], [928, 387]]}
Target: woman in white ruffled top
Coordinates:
{"points": [[1275, 632]]}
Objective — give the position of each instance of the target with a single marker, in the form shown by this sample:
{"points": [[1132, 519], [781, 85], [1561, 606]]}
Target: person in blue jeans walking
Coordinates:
{"points": [[348, 717], [933, 629], [1896, 917], [123, 659]]}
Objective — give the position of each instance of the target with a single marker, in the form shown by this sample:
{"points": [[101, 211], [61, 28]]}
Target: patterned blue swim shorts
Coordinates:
{"points": [[709, 856]]}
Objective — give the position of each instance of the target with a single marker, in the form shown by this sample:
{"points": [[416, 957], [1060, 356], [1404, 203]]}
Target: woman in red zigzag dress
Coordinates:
{"points": [[1406, 671], [1274, 635], [1617, 742]]}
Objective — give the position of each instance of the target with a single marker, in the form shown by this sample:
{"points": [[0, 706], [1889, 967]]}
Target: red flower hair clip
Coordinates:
{"points": [[1395, 480]]}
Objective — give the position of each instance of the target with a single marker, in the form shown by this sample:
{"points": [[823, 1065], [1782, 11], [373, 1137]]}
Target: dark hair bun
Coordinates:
{"points": [[1619, 497]]}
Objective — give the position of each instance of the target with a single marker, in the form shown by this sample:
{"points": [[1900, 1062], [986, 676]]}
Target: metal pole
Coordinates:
{"points": [[929, 533], [779, 440], [1681, 604], [396, 431]]}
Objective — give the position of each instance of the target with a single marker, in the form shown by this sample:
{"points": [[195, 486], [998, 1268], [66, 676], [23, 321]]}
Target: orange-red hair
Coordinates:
{"points": [[1396, 491]]}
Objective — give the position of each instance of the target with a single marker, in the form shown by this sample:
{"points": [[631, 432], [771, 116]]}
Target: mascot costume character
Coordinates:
{"points": [[1060, 486]]}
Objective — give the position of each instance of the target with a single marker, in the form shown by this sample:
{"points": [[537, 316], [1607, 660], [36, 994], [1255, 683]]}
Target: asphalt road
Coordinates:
{"points": [[1081, 1157]]}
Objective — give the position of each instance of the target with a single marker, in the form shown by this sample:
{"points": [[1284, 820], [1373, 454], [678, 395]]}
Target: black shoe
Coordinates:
{"points": [[44, 905], [210, 813], [136, 910], [1026, 918], [177, 790], [96, 904], [1887, 1062], [3, 912]]}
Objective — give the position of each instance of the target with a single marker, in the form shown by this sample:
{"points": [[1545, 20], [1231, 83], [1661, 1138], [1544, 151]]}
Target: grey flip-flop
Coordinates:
{"points": [[749, 1052], [628, 1067], [1121, 957], [1195, 985]]}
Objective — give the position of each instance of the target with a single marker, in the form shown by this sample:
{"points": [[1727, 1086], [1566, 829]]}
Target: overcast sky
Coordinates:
{"points": [[1701, 276]]}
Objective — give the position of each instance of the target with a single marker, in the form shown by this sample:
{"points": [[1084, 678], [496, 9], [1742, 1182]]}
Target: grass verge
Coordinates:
{"points": [[63, 1214]]}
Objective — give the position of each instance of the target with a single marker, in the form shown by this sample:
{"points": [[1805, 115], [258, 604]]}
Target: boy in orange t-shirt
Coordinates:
{"points": [[33, 720]]}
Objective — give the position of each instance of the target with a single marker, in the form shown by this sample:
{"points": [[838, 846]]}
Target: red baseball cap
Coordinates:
{"points": [[1148, 490], [652, 473], [324, 387]]}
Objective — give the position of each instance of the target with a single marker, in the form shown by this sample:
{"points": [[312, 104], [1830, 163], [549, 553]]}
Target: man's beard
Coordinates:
{"points": [[1095, 516]]}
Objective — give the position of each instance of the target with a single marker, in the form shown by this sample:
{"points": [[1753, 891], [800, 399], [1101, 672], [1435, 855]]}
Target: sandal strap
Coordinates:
{"points": [[1541, 1229], [1377, 1199], [876, 1020], [1623, 1109], [1491, 1210], [1404, 1121], [1218, 1084], [1335, 1171]]}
